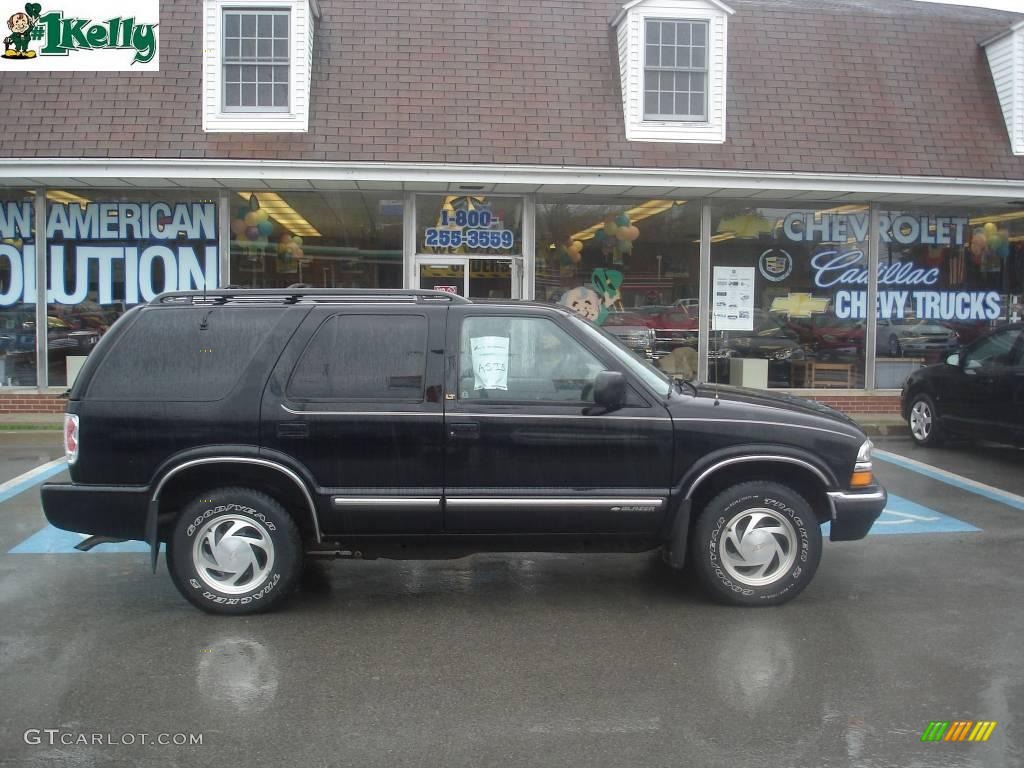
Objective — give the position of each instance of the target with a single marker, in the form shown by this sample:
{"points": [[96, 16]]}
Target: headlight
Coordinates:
{"points": [[783, 354], [862, 475], [864, 454]]}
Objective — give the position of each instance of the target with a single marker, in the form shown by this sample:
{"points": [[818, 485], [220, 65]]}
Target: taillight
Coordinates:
{"points": [[70, 437]]}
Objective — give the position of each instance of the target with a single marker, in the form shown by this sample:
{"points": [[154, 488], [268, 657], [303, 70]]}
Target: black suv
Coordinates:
{"points": [[251, 429]]}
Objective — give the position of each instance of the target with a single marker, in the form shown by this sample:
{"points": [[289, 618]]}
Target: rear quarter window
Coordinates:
{"points": [[363, 357], [183, 354]]}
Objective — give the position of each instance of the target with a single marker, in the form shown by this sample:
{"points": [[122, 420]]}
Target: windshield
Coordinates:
{"points": [[651, 376]]}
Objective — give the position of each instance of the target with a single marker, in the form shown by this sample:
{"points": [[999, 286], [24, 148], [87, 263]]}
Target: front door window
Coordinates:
{"points": [[524, 359]]}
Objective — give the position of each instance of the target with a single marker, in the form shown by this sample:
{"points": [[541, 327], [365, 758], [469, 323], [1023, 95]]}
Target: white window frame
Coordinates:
{"points": [[302, 15], [630, 29], [273, 13], [704, 71]]}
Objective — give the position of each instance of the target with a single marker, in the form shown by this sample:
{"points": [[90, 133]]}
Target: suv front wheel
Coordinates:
{"points": [[756, 543], [234, 551]]}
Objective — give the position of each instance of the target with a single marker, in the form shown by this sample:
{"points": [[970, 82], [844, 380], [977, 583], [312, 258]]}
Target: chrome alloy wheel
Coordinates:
{"points": [[758, 547], [233, 554], [921, 419]]}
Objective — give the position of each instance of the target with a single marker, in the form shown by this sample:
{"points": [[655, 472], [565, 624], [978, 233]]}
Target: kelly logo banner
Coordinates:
{"points": [[83, 36]]}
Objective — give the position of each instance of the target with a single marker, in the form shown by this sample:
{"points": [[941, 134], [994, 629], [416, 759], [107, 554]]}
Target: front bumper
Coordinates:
{"points": [[100, 510], [853, 514]]}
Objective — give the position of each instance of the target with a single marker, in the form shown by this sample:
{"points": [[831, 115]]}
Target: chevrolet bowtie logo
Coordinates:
{"points": [[799, 305]]}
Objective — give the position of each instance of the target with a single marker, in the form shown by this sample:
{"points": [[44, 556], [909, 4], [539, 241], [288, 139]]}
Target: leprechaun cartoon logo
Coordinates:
{"points": [[21, 26]]}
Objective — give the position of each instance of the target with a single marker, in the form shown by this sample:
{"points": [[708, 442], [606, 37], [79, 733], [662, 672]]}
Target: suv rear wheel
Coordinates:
{"points": [[756, 543], [234, 551]]}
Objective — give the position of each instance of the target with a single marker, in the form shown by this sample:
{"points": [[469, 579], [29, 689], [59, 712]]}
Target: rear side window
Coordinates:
{"points": [[183, 354], [363, 357]]}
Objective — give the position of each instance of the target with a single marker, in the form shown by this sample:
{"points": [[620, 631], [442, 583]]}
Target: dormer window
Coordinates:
{"points": [[672, 62], [1005, 53], [257, 59]]}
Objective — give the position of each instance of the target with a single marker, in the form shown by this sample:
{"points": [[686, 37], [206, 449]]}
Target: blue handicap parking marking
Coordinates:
{"points": [[52, 540], [905, 516]]}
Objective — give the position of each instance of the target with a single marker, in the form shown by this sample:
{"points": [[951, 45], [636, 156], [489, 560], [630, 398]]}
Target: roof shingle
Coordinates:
{"points": [[861, 86]]}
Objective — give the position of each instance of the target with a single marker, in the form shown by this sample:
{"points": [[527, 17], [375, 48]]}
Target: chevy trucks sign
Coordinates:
{"points": [[905, 288], [123, 253]]}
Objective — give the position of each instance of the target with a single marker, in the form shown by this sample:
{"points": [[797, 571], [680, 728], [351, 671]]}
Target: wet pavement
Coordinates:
{"points": [[530, 660]]}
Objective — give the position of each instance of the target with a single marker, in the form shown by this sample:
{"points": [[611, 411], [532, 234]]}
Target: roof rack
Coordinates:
{"points": [[270, 296]]}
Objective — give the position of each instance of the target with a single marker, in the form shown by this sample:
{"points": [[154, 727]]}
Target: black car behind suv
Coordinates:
{"points": [[978, 392], [251, 429]]}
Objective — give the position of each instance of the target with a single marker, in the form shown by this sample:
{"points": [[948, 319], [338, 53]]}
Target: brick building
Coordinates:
{"points": [[776, 167]]}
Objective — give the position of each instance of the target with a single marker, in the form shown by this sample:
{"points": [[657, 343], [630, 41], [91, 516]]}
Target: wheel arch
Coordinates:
{"points": [[183, 479], [804, 475]]}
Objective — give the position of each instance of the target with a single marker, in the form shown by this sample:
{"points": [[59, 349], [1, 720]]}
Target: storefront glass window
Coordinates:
{"points": [[17, 288], [631, 266], [316, 239], [780, 318], [469, 225], [111, 249], [946, 277]]}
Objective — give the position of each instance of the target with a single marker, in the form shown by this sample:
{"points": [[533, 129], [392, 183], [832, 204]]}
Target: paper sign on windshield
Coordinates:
{"points": [[490, 362]]}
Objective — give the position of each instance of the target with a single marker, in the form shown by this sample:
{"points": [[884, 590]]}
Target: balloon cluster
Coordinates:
{"points": [[568, 254], [990, 241], [290, 247], [252, 226], [617, 236]]}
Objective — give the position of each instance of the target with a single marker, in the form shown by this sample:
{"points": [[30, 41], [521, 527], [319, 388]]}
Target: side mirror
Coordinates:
{"points": [[610, 389], [954, 360]]}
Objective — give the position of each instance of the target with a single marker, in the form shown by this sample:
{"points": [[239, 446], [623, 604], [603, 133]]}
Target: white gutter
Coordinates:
{"points": [[93, 171]]}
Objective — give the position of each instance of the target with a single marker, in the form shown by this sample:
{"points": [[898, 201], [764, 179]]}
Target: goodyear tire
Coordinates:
{"points": [[234, 551], [756, 543]]}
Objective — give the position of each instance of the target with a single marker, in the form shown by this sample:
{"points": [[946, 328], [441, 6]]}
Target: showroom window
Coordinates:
{"points": [[109, 250], [632, 266], [946, 277], [336, 239], [17, 288], [470, 245], [782, 312]]}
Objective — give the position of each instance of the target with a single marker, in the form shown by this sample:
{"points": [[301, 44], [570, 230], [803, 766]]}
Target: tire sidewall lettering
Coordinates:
{"points": [[792, 581], [224, 508]]}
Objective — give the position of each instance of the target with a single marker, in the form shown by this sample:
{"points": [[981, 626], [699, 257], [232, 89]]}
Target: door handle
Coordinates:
{"points": [[296, 429], [464, 430]]}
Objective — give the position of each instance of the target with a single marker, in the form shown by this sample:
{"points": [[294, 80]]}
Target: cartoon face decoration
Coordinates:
{"points": [[583, 301], [18, 23]]}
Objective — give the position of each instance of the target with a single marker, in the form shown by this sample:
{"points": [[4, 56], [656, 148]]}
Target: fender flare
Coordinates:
{"points": [[152, 537], [679, 533], [713, 462]]}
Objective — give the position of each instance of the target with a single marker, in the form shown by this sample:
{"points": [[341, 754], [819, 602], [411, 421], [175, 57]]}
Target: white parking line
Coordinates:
{"points": [[34, 476], [951, 478]]}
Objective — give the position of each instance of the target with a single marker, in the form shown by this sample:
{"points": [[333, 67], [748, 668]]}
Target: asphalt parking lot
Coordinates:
{"points": [[531, 660]]}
